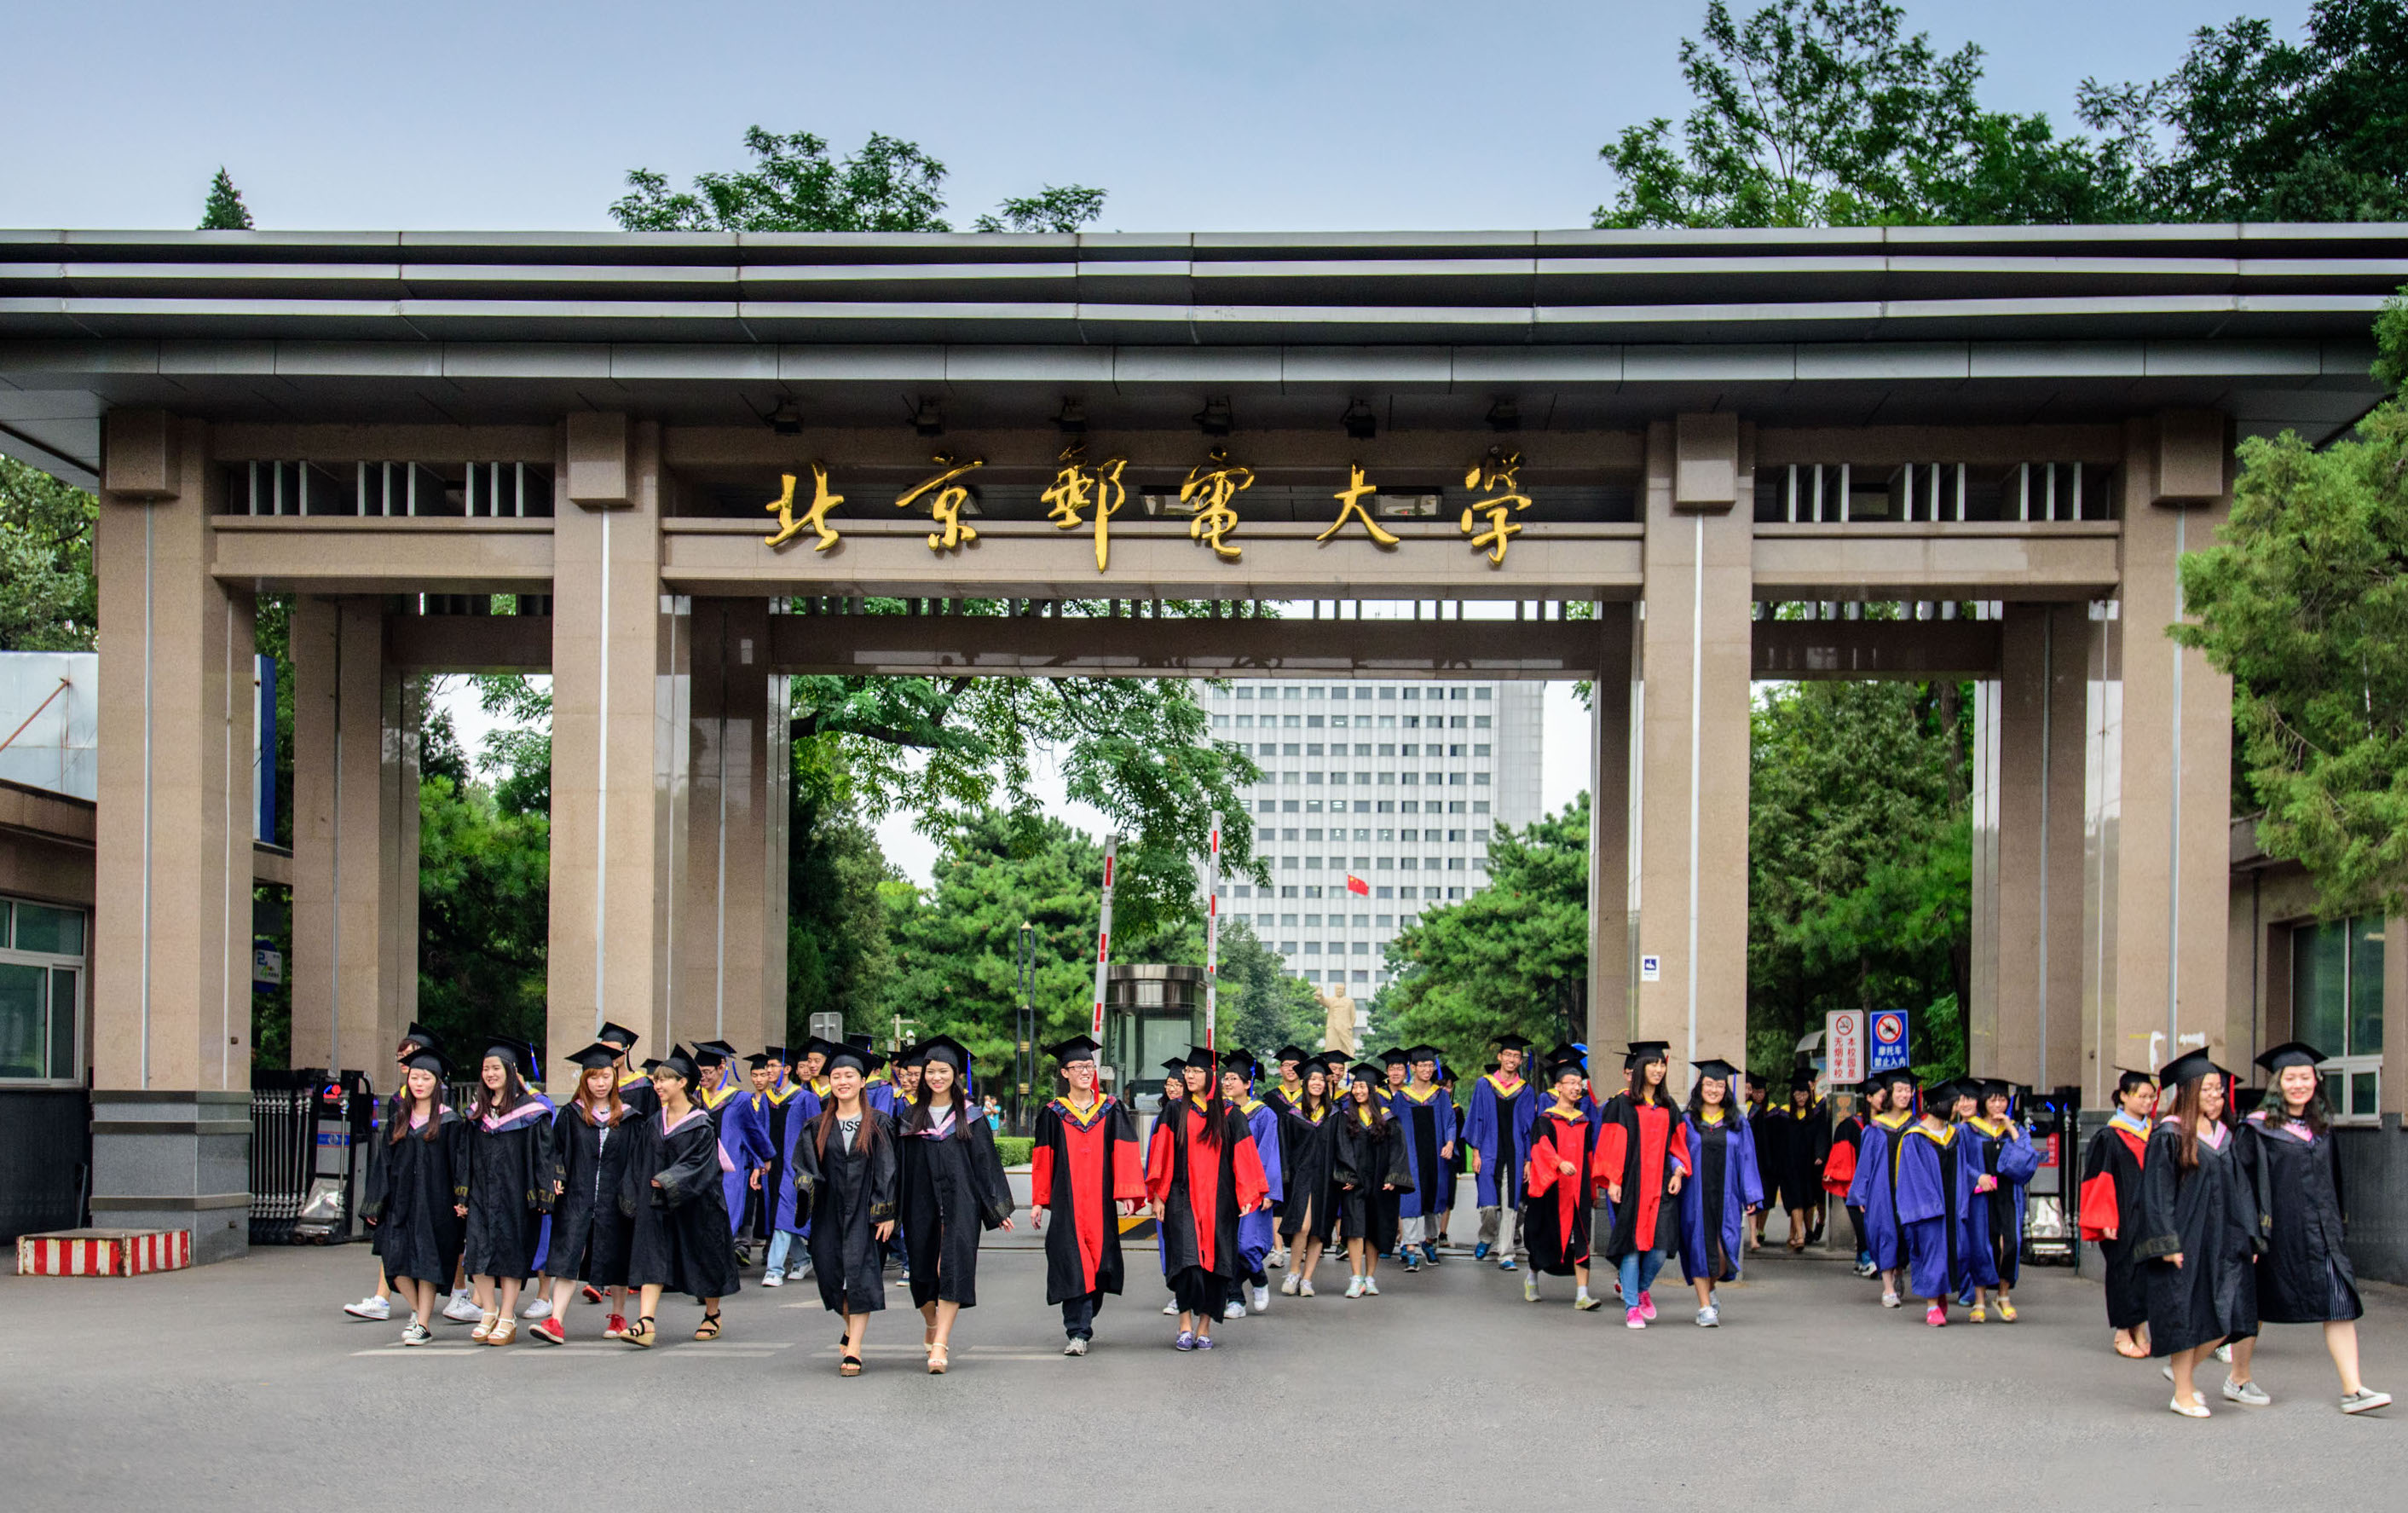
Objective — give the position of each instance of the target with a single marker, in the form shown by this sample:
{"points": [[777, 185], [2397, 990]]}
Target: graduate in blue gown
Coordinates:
{"points": [[1935, 1198], [1426, 1120], [1725, 1185], [790, 1219], [1498, 1133], [744, 1137], [2003, 1160], [1873, 1190], [1257, 1231]]}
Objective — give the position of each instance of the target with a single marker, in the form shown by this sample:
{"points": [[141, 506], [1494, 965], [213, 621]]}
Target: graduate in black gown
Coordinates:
{"points": [[510, 1188], [1309, 1154], [2110, 1214], [589, 1137], [2304, 1274], [1560, 1177], [1793, 1139], [2199, 1223], [418, 1191], [1281, 1097], [950, 1188], [1083, 1166], [635, 1085], [674, 1192], [845, 1175], [1372, 1171]]}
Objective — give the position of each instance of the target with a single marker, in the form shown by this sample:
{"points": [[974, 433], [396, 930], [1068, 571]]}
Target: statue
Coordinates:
{"points": [[1336, 1019]]}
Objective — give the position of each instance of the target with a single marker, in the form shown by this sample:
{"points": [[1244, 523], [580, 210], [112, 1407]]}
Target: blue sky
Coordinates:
{"points": [[1231, 115]]}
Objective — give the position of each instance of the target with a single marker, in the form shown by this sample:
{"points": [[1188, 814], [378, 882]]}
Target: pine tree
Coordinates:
{"points": [[226, 210]]}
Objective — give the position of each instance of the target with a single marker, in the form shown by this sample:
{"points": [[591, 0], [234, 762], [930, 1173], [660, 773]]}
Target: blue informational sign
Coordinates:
{"points": [[1888, 1038]]}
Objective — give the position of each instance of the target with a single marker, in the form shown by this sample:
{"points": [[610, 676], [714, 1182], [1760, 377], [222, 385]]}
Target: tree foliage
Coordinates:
{"points": [[2304, 602], [484, 902], [793, 184], [50, 599], [839, 954], [1513, 957], [225, 210]]}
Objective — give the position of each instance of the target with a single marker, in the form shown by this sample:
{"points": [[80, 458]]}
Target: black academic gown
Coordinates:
{"points": [[2206, 1215], [509, 1189], [950, 1191], [589, 1162], [1309, 1176], [847, 1193], [673, 1192], [2304, 1274], [413, 1185], [1282, 1106], [2110, 1199], [1791, 1149], [1370, 1165]]}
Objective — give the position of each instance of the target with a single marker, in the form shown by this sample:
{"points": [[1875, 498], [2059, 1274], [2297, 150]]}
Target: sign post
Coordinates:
{"points": [[1843, 1047], [1212, 937], [1104, 936]]}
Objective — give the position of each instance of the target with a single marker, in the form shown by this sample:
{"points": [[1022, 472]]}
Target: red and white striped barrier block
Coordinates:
{"points": [[104, 1252]]}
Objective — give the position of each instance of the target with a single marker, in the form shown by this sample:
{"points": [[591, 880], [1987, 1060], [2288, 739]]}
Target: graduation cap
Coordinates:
{"points": [[713, 1052], [1897, 1075], [619, 1036], [1566, 1052], [943, 1047], [596, 1057], [1417, 1055], [1394, 1056], [419, 1035], [1802, 1081], [1641, 1052], [758, 1060], [2190, 1066], [1175, 1066], [1079, 1048], [775, 1053], [1510, 1042], [2291, 1053], [1968, 1088], [429, 1058], [516, 1054], [676, 1061], [1291, 1053], [860, 1058], [1715, 1067], [858, 1042], [2129, 1079], [1203, 1056], [1368, 1072], [1557, 1070]]}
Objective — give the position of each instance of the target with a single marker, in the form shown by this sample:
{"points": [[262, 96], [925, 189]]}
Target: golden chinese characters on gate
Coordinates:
{"points": [[1086, 496]]}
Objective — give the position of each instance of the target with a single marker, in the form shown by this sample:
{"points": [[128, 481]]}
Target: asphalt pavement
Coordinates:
{"points": [[243, 1386]]}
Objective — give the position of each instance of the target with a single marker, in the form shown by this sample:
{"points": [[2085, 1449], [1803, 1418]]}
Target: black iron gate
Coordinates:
{"points": [[2051, 1207], [307, 1142]]}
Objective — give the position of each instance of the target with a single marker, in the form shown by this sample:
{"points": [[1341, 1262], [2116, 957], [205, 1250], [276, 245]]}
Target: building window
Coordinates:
{"points": [[1480, 805], [1288, 920], [1287, 805], [1245, 692], [2337, 1006], [1383, 890], [1480, 693], [41, 992], [1312, 975], [1288, 891], [1362, 976]]}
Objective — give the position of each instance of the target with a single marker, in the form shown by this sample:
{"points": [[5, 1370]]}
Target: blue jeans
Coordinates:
{"points": [[780, 1242], [1639, 1269]]}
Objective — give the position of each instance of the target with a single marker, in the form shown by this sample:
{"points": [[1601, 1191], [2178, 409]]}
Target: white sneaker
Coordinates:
{"points": [[1279, 1258], [1889, 1300], [1075, 1347], [463, 1309], [1261, 1300], [1709, 1317], [1585, 1304], [414, 1333], [1288, 1284], [1355, 1287], [1171, 1309], [2223, 1353], [540, 1308], [1370, 1287], [2245, 1392], [1234, 1308], [1529, 1289], [2365, 1400], [374, 1308], [1304, 1288], [773, 1280]]}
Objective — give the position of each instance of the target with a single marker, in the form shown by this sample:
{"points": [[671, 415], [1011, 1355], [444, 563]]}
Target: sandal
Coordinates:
{"points": [[641, 1336], [504, 1332], [485, 1325], [848, 1367], [2006, 1311], [2137, 1352], [708, 1328], [938, 1359]]}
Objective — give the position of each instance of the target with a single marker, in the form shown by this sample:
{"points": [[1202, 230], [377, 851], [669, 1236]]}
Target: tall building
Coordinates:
{"points": [[1377, 802]]}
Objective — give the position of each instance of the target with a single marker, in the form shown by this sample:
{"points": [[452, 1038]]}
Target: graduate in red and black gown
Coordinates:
{"points": [[1644, 1158], [1201, 1175], [1084, 1167], [1561, 1179], [2111, 1207]]}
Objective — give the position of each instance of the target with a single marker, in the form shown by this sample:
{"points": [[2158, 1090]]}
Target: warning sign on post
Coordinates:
{"points": [[1843, 1046], [1889, 1040]]}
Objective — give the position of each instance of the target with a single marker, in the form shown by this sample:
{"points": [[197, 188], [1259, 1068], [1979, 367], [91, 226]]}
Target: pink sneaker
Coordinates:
{"points": [[1936, 1316], [1631, 1319], [1647, 1305]]}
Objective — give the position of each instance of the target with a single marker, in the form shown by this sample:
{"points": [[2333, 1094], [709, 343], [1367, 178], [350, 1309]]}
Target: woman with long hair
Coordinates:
{"points": [[676, 1191], [2110, 1213], [845, 1173], [951, 1189], [1794, 1140], [1371, 1170], [1257, 1232], [2197, 1229], [1201, 1175], [1840, 1164], [378, 1305], [2003, 1160], [1873, 1192], [1560, 1177], [1311, 1183], [1725, 1185], [1933, 1194], [417, 1191], [509, 1189], [2304, 1274], [1644, 1158], [590, 1137]]}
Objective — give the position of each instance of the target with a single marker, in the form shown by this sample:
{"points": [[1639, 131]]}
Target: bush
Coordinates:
{"points": [[1013, 1148]]}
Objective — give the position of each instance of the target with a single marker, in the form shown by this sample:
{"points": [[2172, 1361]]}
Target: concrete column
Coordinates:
{"points": [[1612, 918], [2028, 1027], [1696, 658], [2165, 976], [732, 954], [171, 975], [616, 739], [355, 839]]}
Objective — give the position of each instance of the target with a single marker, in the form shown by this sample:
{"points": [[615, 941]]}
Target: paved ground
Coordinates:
{"points": [[242, 1386]]}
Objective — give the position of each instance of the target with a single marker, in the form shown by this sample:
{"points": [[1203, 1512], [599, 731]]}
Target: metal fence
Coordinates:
{"points": [[306, 1130]]}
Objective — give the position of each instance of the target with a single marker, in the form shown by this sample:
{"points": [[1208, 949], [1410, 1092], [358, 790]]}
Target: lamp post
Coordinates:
{"points": [[1024, 1060]]}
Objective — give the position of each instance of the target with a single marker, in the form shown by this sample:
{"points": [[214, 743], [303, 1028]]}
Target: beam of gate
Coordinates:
{"points": [[1915, 649]]}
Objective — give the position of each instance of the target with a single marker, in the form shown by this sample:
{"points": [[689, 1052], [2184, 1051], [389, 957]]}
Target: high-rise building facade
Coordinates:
{"points": [[1377, 803]]}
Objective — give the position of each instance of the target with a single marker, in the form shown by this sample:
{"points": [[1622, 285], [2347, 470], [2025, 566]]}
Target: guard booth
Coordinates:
{"points": [[1152, 1012], [2051, 1205], [310, 1136]]}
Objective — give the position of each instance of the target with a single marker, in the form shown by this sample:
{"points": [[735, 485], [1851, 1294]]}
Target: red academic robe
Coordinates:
{"points": [[1079, 1168], [1204, 1187], [1561, 1202], [1636, 1151], [1840, 1166]]}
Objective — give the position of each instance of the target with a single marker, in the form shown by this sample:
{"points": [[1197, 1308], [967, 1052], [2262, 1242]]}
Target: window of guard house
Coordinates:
{"points": [[41, 983], [1149, 992], [2337, 970]]}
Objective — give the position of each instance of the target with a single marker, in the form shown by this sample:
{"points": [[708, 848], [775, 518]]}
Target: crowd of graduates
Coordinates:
{"points": [[650, 1181]]}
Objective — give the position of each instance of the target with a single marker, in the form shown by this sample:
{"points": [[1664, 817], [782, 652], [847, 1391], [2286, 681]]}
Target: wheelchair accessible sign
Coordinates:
{"points": [[1889, 1040]]}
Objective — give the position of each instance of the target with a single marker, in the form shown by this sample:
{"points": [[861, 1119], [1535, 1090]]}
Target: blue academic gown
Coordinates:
{"points": [[543, 1235], [802, 1111], [744, 1135], [2016, 1162], [1433, 1177], [1498, 1127], [1740, 1186], [1875, 1191], [1256, 1237], [1935, 1193]]}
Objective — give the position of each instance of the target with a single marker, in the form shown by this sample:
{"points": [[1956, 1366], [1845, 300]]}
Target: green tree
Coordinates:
{"points": [[2304, 602], [1513, 957], [226, 210], [838, 951], [889, 185], [50, 599], [484, 902], [1262, 1006]]}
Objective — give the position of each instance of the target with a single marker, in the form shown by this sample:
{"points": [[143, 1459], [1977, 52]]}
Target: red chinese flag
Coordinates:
{"points": [[1356, 885]]}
